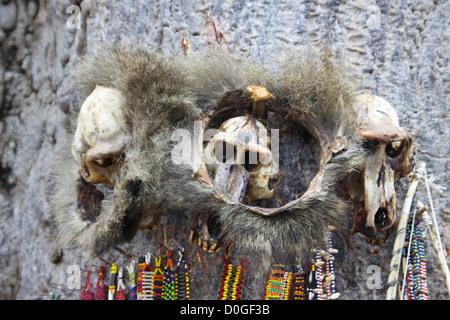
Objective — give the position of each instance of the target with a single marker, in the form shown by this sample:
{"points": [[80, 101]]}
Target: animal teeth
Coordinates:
{"points": [[396, 144], [100, 162], [205, 245], [228, 250], [213, 247], [192, 237]]}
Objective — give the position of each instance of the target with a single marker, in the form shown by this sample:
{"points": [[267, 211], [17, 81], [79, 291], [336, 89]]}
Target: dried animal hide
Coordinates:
{"points": [[311, 106], [93, 218]]}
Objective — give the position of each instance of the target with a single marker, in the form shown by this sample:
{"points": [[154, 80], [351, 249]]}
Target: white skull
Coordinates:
{"points": [[241, 161], [391, 148], [101, 135]]}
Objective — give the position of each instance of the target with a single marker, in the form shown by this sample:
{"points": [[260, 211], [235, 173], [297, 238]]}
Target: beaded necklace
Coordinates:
{"points": [[169, 290], [415, 286], [87, 294], [100, 292], [299, 284], [147, 279], [141, 267], [112, 280], [231, 280], [330, 277], [182, 277], [121, 292], [278, 284], [319, 277], [158, 280], [132, 276]]}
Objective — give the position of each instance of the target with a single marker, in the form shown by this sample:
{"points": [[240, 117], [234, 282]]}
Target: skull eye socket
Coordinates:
{"points": [[370, 145], [252, 161], [395, 148], [104, 163], [224, 152]]}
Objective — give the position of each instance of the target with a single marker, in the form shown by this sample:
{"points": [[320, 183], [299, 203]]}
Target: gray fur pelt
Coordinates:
{"points": [[169, 93]]}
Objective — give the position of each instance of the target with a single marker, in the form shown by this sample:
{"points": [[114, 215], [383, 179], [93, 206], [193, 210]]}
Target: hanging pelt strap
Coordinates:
{"points": [[169, 290], [121, 292], [87, 294], [147, 279], [132, 276], [100, 292], [112, 280], [182, 277], [158, 280]]}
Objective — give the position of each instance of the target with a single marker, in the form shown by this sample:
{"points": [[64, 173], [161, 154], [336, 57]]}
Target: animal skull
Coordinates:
{"points": [[241, 161], [390, 148], [101, 135]]}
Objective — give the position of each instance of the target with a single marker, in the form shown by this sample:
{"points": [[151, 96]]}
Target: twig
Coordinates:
{"points": [[126, 254]]}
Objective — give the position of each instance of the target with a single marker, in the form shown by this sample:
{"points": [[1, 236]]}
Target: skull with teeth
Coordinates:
{"points": [[241, 160], [101, 135], [389, 158]]}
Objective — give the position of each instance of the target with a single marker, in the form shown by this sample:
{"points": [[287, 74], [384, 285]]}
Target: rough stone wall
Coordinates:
{"points": [[399, 47]]}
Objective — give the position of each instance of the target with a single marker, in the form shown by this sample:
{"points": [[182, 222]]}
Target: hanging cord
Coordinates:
{"points": [[147, 278], [182, 276], [132, 276], [121, 291], [100, 293], [112, 280], [397, 249], [87, 294]]}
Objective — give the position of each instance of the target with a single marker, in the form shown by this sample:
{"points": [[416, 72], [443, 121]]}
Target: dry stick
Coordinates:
{"points": [[437, 248], [400, 238]]}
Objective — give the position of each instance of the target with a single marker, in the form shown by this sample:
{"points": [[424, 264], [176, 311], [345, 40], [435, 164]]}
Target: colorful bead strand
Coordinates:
{"points": [[182, 277], [121, 292], [141, 267], [100, 292], [278, 284], [131, 274], [112, 280], [319, 277], [147, 279], [158, 280], [87, 294], [169, 289]]}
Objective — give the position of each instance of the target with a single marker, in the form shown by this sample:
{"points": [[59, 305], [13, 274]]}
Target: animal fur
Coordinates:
{"points": [[168, 93]]}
